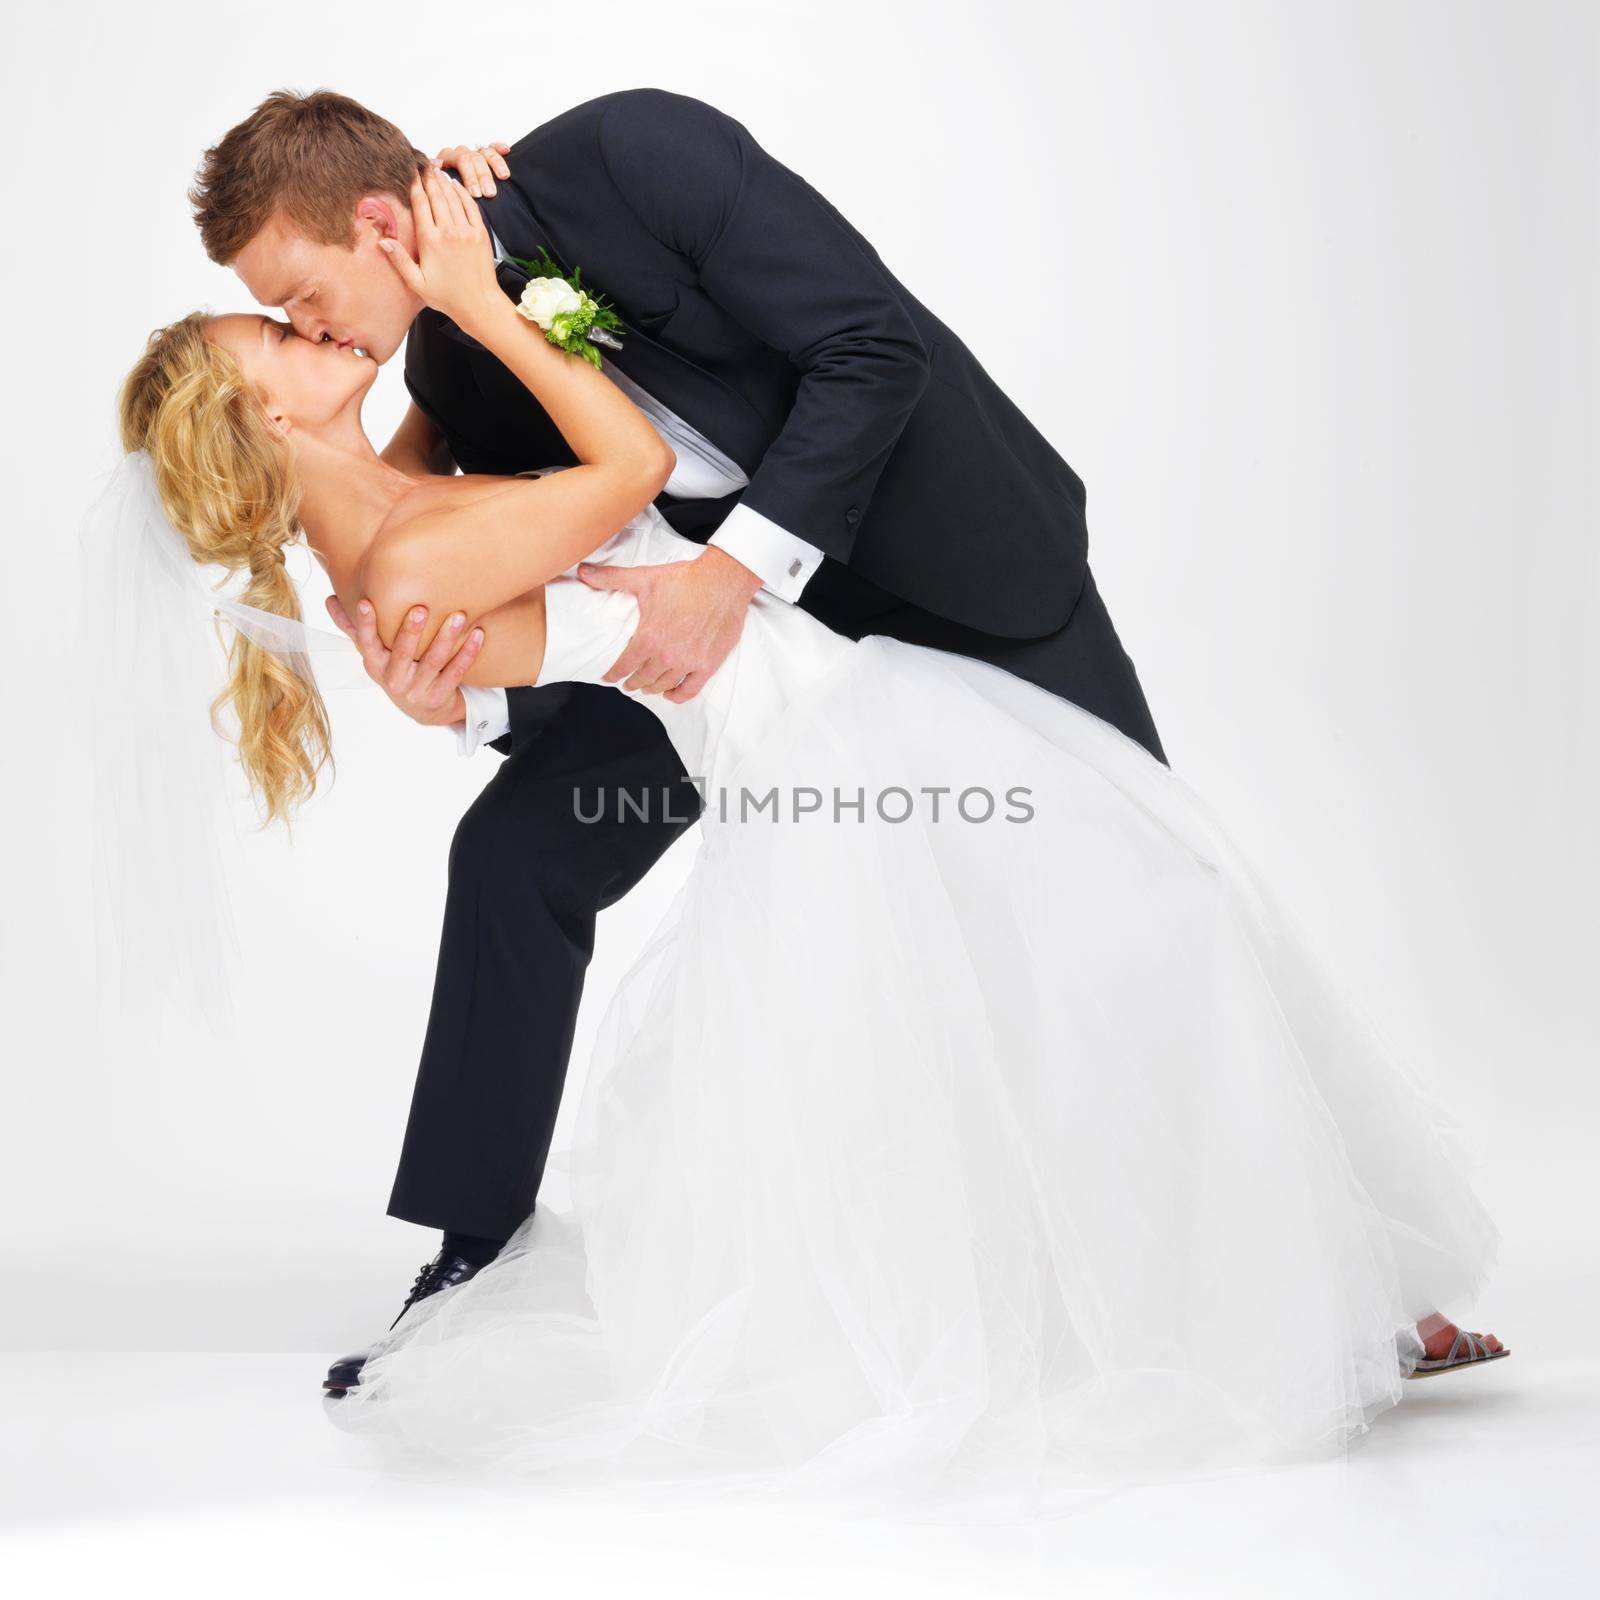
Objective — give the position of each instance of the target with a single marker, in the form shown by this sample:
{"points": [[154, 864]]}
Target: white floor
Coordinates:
{"points": [[218, 1473]]}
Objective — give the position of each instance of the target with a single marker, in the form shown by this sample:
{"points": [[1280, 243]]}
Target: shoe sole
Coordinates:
{"points": [[1456, 1366]]}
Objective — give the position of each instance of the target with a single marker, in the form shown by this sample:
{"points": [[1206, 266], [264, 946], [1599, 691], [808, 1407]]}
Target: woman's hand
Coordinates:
{"points": [[477, 165], [454, 269]]}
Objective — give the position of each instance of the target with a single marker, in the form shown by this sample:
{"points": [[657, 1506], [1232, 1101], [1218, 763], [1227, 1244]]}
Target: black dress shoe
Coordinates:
{"points": [[443, 1272]]}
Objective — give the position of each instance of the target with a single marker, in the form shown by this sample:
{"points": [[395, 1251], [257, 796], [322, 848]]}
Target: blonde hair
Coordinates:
{"points": [[227, 481]]}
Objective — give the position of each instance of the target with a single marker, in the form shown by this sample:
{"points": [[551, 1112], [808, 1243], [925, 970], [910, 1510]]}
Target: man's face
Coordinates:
{"points": [[349, 296]]}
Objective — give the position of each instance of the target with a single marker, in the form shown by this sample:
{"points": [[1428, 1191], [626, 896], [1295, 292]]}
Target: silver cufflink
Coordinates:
{"points": [[794, 568]]}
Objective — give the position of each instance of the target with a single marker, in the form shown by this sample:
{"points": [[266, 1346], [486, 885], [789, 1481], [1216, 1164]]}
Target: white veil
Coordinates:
{"points": [[162, 815]]}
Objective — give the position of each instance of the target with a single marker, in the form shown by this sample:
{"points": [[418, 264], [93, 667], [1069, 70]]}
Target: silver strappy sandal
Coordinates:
{"points": [[1466, 1350]]}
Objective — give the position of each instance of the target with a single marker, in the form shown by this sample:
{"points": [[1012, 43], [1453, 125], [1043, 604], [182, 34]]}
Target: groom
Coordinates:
{"points": [[837, 445]]}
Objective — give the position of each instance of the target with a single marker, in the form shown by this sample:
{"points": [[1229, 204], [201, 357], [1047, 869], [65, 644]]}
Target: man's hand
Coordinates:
{"points": [[429, 690], [691, 614]]}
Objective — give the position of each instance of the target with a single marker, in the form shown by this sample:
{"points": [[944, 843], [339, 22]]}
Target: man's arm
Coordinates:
{"points": [[779, 259], [425, 684], [783, 562], [418, 447], [488, 718]]}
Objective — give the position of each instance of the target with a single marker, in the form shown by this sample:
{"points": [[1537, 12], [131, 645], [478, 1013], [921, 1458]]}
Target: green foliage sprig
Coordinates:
{"points": [[569, 328]]}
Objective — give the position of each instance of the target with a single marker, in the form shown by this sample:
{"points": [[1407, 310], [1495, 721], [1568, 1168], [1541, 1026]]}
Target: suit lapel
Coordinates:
{"points": [[700, 397]]}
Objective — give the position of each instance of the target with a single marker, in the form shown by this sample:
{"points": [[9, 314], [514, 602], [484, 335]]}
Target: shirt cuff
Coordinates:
{"points": [[488, 716], [782, 560]]}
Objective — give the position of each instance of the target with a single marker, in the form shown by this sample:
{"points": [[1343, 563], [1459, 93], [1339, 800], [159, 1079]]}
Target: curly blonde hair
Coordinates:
{"points": [[228, 483]]}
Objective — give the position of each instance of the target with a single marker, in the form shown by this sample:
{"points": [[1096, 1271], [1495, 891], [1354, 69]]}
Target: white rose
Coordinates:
{"points": [[545, 299]]}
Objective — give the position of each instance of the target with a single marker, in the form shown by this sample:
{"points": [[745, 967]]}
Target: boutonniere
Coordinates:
{"points": [[573, 319]]}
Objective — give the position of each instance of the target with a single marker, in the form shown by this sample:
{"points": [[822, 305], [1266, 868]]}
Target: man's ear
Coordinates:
{"points": [[381, 213]]}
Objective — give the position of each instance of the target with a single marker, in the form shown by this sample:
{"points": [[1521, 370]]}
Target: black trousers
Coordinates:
{"points": [[529, 870]]}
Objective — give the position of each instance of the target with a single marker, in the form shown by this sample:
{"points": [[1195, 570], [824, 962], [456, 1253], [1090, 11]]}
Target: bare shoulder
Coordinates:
{"points": [[444, 497], [432, 505]]}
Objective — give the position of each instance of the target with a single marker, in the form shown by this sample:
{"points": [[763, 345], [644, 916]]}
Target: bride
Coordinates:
{"points": [[974, 1123]]}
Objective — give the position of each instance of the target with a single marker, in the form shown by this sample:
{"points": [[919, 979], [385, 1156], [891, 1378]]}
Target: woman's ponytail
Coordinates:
{"points": [[228, 485]]}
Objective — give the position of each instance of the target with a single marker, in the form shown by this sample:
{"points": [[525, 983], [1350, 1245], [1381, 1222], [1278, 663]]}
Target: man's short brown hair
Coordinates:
{"points": [[311, 155]]}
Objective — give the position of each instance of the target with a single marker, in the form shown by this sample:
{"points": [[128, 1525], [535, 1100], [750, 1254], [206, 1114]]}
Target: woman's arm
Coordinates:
{"points": [[473, 550]]}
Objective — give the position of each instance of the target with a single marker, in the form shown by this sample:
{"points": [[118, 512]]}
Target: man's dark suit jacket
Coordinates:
{"points": [[756, 312]]}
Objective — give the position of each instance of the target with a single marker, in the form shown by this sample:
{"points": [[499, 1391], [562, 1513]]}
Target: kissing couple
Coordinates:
{"points": [[975, 1118]]}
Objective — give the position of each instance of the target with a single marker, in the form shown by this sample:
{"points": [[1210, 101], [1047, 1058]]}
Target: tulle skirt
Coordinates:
{"points": [[941, 1163]]}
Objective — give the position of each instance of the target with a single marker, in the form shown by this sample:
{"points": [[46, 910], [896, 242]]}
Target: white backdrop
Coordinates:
{"points": [[1304, 291]]}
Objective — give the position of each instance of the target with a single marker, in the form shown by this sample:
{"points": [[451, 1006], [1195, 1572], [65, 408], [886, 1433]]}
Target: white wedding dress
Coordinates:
{"points": [[952, 1164]]}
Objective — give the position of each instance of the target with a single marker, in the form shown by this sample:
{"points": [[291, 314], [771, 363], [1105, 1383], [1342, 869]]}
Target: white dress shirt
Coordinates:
{"points": [[783, 561]]}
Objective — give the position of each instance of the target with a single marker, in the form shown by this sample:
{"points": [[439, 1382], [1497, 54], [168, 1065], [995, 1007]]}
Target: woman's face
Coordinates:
{"points": [[301, 384]]}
